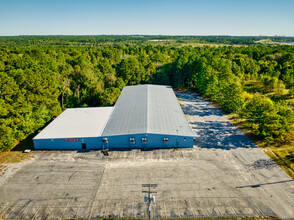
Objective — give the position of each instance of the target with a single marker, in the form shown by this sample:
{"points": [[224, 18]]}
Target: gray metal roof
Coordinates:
{"points": [[77, 122], [147, 109]]}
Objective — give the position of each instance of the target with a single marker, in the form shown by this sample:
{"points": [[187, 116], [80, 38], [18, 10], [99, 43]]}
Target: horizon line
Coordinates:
{"points": [[174, 35]]}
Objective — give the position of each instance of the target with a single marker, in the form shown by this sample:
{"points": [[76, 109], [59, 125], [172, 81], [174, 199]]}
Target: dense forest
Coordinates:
{"points": [[93, 40], [41, 75]]}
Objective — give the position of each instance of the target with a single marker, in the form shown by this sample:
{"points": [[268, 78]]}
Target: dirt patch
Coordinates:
{"points": [[264, 164], [11, 162]]}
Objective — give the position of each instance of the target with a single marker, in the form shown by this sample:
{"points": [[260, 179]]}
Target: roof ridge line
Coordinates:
{"points": [[102, 131]]}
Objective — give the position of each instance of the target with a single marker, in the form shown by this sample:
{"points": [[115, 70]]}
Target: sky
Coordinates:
{"points": [[147, 17]]}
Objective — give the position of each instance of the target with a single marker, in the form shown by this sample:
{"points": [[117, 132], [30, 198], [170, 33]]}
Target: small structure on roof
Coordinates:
{"points": [[144, 117]]}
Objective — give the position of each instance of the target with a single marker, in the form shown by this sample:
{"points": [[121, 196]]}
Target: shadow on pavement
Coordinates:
{"points": [[221, 135], [263, 184], [211, 127], [199, 106]]}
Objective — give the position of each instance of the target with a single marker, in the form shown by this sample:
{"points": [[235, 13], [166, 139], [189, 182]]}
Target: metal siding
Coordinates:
{"points": [[61, 144], [153, 141], [165, 115], [76, 123], [186, 141], [123, 141], [147, 109], [116, 142], [156, 141], [130, 112]]}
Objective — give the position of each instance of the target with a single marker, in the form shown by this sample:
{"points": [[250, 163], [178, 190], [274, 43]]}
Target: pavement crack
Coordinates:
{"points": [[72, 175]]}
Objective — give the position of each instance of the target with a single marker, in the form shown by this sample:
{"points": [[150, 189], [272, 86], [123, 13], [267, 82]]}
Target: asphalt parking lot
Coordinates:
{"points": [[224, 175]]}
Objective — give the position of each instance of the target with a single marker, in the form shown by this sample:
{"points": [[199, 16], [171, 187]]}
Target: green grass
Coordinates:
{"points": [[13, 157], [176, 43], [281, 152]]}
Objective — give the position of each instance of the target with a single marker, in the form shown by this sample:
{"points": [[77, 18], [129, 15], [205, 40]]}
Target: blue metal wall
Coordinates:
{"points": [[116, 142], [62, 144], [152, 141]]}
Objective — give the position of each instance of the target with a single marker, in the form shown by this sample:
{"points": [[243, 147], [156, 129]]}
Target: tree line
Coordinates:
{"points": [[98, 40], [38, 82], [256, 83]]}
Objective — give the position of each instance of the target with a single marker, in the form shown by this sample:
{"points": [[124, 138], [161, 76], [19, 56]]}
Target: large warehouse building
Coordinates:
{"points": [[144, 116]]}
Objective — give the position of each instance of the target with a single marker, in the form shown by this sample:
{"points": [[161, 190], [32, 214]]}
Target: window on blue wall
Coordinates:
{"points": [[132, 140], [105, 140]]}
